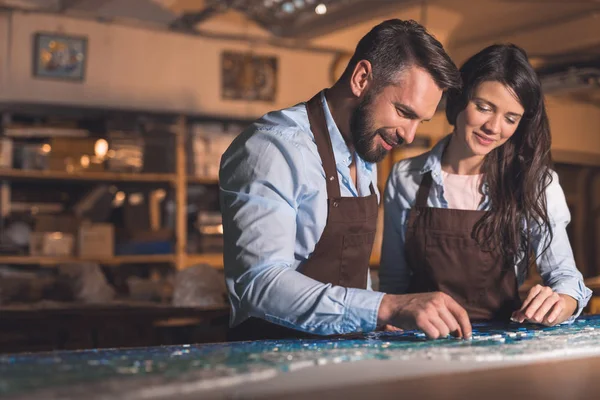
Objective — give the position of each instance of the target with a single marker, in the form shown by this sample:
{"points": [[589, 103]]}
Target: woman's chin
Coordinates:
{"points": [[479, 150]]}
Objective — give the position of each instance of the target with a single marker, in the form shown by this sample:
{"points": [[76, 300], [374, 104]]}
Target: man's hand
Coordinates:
{"points": [[545, 306], [436, 314]]}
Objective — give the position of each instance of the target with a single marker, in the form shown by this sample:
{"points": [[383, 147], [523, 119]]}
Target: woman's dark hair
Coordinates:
{"points": [[518, 172], [394, 45]]}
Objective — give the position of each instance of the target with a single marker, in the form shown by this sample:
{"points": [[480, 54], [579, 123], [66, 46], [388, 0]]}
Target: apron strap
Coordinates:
{"points": [[424, 189], [318, 126], [371, 188]]}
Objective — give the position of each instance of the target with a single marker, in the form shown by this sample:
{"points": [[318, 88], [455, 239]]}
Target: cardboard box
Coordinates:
{"points": [[139, 235], [74, 155], [6, 153], [126, 151], [74, 147], [51, 244], [5, 205], [31, 156], [70, 164], [96, 241]]}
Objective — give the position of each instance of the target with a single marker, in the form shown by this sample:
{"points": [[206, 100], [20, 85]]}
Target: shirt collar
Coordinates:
{"points": [[340, 148], [433, 163]]}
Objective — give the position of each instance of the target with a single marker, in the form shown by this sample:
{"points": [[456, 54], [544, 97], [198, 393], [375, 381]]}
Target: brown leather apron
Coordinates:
{"points": [[443, 256], [341, 256]]}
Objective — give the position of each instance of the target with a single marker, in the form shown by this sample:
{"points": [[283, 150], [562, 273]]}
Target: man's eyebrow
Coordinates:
{"points": [[409, 112], [406, 110]]}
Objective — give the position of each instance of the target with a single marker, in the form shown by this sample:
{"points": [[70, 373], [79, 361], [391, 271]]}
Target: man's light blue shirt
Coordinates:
{"points": [[556, 265], [274, 205]]}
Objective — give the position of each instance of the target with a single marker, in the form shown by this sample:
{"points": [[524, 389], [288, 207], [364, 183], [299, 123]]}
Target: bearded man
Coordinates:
{"points": [[299, 198]]}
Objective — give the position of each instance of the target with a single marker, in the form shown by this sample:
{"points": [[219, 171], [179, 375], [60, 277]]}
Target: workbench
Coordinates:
{"points": [[501, 361]]}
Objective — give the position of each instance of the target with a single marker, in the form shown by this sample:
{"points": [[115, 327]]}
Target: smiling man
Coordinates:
{"points": [[299, 198]]}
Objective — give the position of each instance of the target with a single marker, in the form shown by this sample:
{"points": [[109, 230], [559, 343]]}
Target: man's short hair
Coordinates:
{"points": [[395, 45]]}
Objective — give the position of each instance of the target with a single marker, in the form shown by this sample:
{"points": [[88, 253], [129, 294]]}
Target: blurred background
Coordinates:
{"points": [[115, 114]]}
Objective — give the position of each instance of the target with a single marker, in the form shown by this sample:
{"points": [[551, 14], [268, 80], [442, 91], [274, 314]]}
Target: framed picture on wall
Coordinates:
{"points": [[57, 56], [247, 76]]}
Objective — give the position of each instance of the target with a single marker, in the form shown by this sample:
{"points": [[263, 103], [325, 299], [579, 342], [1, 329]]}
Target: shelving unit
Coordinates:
{"points": [[201, 181], [213, 259], [16, 174], [52, 261], [178, 181]]}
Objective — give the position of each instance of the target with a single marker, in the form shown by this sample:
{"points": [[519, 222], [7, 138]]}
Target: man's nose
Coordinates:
{"points": [[408, 134]]}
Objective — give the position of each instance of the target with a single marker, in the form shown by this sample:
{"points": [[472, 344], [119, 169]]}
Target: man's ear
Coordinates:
{"points": [[361, 78]]}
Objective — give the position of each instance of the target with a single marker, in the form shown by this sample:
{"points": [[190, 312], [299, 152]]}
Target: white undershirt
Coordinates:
{"points": [[462, 191]]}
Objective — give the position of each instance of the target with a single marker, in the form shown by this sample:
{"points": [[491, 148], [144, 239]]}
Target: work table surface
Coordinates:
{"points": [[302, 368]]}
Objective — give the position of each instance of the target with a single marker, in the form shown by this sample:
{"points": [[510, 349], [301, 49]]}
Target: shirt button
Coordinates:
{"points": [[331, 178], [335, 203]]}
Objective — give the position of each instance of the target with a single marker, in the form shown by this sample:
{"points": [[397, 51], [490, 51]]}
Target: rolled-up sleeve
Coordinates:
{"points": [[555, 260], [262, 185]]}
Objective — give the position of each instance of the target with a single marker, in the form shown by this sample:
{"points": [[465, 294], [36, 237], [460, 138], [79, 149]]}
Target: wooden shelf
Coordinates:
{"points": [[575, 157], [593, 283], [215, 260], [17, 174], [202, 181], [48, 260]]}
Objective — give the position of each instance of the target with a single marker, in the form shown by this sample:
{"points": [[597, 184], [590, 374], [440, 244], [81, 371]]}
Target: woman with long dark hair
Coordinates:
{"points": [[470, 216]]}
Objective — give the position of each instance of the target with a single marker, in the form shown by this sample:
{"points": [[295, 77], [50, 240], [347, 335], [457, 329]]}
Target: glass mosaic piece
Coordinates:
{"points": [[166, 371]]}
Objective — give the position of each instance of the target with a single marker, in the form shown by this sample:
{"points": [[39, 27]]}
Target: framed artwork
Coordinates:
{"points": [[246, 76], [59, 56]]}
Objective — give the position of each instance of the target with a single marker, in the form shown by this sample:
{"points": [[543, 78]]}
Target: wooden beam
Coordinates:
{"points": [[180, 194]]}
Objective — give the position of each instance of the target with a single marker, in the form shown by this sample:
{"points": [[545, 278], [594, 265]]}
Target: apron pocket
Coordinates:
{"points": [[456, 263], [356, 253]]}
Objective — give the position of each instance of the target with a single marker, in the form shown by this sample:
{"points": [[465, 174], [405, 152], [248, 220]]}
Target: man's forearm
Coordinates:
{"points": [[282, 295]]}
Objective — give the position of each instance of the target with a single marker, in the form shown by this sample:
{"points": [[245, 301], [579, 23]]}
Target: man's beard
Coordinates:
{"points": [[363, 133]]}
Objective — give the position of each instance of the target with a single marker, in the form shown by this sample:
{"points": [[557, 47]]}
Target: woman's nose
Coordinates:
{"points": [[493, 125]]}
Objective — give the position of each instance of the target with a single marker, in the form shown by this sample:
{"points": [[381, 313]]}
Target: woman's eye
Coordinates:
{"points": [[511, 121], [482, 108]]}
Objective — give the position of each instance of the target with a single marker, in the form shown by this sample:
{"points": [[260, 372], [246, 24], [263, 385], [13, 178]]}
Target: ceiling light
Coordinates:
{"points": [[288, 7], [321, 9], [101, 148]]}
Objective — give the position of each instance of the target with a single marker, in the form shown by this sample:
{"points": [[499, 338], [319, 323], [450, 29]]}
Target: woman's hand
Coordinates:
{"points": [[545, 306]]}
